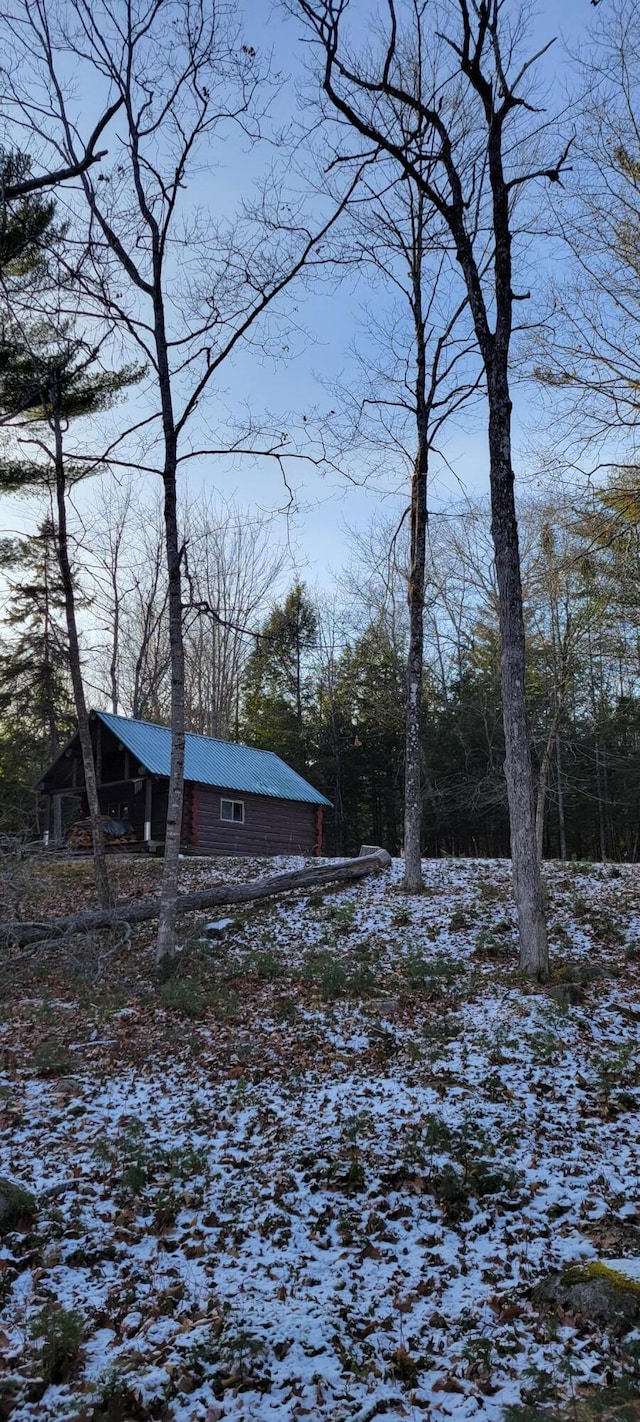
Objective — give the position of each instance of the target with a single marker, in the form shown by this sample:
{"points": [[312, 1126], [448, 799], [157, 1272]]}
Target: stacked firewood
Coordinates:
{"points": [[114, 832]]}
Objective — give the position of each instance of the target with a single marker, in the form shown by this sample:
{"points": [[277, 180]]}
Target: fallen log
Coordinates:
{"points": [[141, 910]]}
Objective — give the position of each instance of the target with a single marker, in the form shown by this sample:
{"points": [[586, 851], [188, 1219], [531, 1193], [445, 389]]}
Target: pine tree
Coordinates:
{"points": [[52, 380], [278, 692], [34, 665], [366, 728], [27, 224], [36, 708], [28, 234]]}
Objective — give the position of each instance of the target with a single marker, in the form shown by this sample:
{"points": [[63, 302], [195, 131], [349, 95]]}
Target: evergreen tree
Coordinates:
{"points": [[36, 708], [34, 664], [28, 234], [464, 755], [365, 725], [55, 378], [279, 694], [27, 224]]}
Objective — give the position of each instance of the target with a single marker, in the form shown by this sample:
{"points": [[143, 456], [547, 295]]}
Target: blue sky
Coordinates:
{"points": [[329, 505]]}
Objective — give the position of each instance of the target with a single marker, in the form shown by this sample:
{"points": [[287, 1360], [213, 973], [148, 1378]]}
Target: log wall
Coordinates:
{"points": [[270, 826]]}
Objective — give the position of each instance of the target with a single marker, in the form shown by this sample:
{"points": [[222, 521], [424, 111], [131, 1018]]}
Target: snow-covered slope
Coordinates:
{"points": [[325, 1189]]}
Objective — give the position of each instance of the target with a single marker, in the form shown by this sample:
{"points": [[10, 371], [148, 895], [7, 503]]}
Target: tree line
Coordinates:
{"points": [[325, 686]]}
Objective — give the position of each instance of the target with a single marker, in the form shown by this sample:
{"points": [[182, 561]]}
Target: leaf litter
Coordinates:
{"points": [[318, 1171]]}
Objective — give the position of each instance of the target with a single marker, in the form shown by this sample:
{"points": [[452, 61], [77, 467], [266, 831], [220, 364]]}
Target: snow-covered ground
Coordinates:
{"points": [[320, 1177]]}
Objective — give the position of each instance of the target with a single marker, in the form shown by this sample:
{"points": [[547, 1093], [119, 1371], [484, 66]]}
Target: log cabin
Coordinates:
{"points": [[237, 800]]}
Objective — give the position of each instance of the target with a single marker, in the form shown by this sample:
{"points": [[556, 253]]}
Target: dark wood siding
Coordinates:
{"points": [[159, 810], [270, 826], [189, 832]]}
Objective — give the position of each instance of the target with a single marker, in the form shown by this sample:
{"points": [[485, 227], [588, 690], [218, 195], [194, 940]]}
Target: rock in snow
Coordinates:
{"points": [[218, 928], [604, 1290]]}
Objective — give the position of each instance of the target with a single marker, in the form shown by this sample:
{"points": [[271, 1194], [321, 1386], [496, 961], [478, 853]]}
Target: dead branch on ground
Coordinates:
{"points": [[17, 935]]}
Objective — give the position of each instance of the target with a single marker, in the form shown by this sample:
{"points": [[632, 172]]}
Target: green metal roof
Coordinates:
{"points": [[209, 762]]}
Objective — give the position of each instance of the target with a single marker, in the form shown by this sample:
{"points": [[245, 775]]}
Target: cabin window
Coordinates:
{"points": [[232, 810]]}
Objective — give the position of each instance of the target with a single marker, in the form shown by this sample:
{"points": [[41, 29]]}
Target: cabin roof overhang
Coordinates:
{"points": [[223, 765]]}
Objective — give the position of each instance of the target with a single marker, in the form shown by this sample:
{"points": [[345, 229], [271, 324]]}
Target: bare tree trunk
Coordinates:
{"points": [[165, 944], [375, 101], [75, 666], [543, 783], [545, 767], [562, 831], [415, 667], [113, 678], [596, 705], [54, 740], [602, 834], [415, 660], [527, 880], [115, 649]]}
